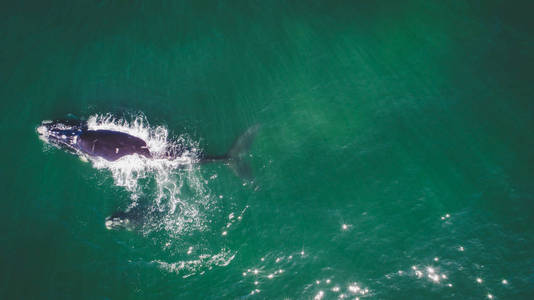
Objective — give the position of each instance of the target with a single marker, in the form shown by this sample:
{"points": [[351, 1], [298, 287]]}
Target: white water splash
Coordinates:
{"points": [[169, 178], [198, 265]]}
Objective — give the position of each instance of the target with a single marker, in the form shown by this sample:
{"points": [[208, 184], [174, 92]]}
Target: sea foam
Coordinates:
{"points": [[173, 188]]}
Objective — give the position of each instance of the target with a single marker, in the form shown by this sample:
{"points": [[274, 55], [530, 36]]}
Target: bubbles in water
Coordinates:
{"points": [[199, 265]]}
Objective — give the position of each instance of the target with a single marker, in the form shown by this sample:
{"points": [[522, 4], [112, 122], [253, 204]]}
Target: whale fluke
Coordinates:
{"points": [[236, 156], [240, 148]]}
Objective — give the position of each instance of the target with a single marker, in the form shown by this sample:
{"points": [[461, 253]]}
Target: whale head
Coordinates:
{"points": [[124, 220], [115, 222], [62, 133]]}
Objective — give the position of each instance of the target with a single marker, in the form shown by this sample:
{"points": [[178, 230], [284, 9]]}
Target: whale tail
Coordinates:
{"points": [[236, 156]]}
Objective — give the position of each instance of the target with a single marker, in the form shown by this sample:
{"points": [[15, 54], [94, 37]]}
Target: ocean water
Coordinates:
{"points": [[394, 158]]}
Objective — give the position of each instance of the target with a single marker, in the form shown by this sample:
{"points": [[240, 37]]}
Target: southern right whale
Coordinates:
{"points": [[111, 145]]}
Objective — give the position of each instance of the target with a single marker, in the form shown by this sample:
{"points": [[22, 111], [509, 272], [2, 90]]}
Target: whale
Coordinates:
{"points": [[134, 218], [74, 136]]}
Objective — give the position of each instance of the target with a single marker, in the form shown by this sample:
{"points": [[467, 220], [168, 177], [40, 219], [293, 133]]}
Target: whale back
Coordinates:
{"points": [[111, 145]]}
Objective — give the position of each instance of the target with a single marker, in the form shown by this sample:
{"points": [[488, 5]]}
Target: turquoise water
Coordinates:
{"points": [[394, 159]]}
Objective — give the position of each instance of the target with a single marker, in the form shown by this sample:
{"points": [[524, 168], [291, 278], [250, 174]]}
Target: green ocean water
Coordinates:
{"points": [[394, 160]]}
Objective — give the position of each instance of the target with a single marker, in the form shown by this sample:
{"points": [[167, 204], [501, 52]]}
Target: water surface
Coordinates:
{"points": [[394, 158]]}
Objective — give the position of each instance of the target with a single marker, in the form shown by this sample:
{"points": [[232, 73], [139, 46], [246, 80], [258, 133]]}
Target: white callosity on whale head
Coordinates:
{"points": [[42, 130], [112, 223], [60, 133], [43, 133]]}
